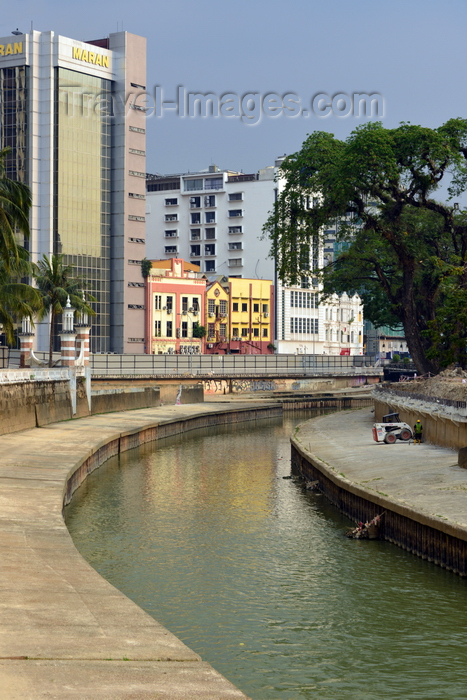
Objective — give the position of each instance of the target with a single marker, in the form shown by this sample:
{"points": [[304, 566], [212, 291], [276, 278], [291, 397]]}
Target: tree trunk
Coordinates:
{"points": [[411, 326]]}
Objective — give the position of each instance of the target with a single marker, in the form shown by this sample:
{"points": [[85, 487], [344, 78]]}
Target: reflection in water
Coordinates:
{"points": [[255, 575]]}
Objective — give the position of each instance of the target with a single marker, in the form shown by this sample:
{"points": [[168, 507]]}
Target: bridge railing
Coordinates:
{"points": [[228, 365]]}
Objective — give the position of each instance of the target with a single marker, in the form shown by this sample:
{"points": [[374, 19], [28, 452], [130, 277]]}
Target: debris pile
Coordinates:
{"points": [[366, 531]]}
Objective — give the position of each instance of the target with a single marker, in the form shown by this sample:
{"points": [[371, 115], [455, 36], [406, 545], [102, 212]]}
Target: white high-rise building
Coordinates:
{"points": [[213, 218]]}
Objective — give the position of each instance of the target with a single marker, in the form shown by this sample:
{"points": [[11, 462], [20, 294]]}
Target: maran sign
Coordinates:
{"points": [[96, 59], [11, 49]]}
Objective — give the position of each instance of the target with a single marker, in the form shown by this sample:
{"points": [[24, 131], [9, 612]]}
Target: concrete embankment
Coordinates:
{"points": [[65, 632], [420, 488]]}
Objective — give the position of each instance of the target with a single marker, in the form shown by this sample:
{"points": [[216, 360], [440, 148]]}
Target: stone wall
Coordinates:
{"points": [[124, 399], [33, 404], [190, 393]]}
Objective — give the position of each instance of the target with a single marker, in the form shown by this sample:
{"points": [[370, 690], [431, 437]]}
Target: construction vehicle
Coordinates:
{"points": [[391, 429]]}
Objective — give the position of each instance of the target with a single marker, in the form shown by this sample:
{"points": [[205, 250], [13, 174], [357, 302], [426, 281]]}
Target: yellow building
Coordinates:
{"points": [[217, 317], [251, 316]]}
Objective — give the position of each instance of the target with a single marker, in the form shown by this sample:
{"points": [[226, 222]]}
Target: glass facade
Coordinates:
{"points": [[82, 189], [13, 120]]}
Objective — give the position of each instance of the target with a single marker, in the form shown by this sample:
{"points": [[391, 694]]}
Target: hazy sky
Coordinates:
{"points": [[411, 52]]}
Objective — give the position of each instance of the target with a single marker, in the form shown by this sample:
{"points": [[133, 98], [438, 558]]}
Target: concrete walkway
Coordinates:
{"points": [[423, 478], [64, 631]]}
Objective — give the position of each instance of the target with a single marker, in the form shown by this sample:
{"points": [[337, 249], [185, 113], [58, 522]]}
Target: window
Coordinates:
{"points": [[256, 308], [210, 200], [244, 307], [235, 262], [265, 308], [157, 302], [171, 217], [305, 282], [235, 212], [184, 303], [195, 304], [169, 329], [170, 249], [256, 332], [193, 185], [211, 330], [214, 183], [223, 306], [184, 329], [135, 195], [171, 233], [235, 196], [265, 332], [235, 307], [157, 329], [223, 330], [211, 307], [236, 246], [235, 332], [210, 249], [210, 233], [195, 202], [195, 234], [244, 332], [210, 217], [171, 202], [195, 218], [195, 251], [210, 266], [235, 229], [169, 304]]}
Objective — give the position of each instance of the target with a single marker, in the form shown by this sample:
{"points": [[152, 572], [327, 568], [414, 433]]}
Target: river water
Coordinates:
{"points": [[255, 575]]}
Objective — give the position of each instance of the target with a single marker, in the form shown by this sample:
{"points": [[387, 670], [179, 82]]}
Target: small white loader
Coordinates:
{"points": [[391, 429]]}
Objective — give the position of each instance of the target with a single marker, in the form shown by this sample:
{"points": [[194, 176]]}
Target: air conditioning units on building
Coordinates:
{"points": [[184, 313], [266, 314], [223, 315], [191, 309], [211, 314], [195, 313], [210, 346]]}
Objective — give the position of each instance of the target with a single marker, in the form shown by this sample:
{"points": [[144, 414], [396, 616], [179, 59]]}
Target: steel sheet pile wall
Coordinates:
{"points": [[436, 545]]}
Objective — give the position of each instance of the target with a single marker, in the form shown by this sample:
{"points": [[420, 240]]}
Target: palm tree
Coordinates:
{"points": [[15, 203], [55, 283], [17, 299]]}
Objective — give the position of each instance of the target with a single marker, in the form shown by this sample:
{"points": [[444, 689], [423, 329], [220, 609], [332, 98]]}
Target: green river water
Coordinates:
{"points": [[256, 576]]}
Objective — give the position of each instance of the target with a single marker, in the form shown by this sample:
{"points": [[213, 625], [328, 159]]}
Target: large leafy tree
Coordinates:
{"points": [[408, 251], [56, 282]]}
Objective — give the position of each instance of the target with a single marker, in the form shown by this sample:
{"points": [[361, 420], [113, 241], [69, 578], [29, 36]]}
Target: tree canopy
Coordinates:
{"points": [[407, 252]]}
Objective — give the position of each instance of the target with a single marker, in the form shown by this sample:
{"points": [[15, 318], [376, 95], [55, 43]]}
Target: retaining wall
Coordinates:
{"points": [[141, 436], [251, 384], [438, 428], [33, 404], [427, 537]]}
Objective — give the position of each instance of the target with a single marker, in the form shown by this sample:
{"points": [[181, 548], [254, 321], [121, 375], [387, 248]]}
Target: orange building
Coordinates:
{"points": [[175, 293]]}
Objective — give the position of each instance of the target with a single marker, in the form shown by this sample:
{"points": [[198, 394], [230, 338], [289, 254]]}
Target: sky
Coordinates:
{"points": [[409, 52]]}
